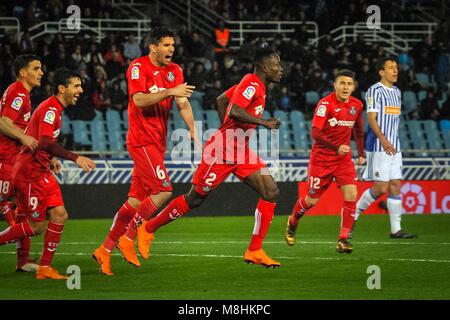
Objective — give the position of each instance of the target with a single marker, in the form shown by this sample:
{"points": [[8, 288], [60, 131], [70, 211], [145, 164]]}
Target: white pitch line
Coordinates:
{"points": [[240, 256], [395, 242]]}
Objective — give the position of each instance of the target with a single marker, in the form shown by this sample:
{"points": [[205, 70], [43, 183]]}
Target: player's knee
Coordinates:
{"points": [[37, 227], [380, 189], [59, 215], [271, 194], [350, 196]]}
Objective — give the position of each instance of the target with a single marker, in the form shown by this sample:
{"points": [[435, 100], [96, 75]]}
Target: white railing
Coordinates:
{"points": [[98, 26], [8, 25], [267, 29], [349, 34], [410, 32]]}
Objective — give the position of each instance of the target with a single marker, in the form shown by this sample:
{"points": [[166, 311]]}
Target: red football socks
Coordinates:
{"points": [[175, 209], [22, 246], [119, 226], [263, 217], [145, 211], [52, 238], [15, 233], [299, 210], [347, 218]]}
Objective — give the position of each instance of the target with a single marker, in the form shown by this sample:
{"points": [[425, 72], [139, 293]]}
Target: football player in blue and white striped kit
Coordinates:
{"points": [[384, 158]]}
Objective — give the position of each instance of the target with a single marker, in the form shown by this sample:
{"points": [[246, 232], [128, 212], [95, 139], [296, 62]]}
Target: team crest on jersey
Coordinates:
{"points": [[165, 183], [321, 111], [134, 73], [249, 92], [206, 189], [17, 103], [50, 117], [35, 214], [312, 191], [352, 111], [170, 76]]}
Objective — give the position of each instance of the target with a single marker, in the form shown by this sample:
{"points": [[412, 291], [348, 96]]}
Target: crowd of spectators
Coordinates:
{"points": [[102, 64]]}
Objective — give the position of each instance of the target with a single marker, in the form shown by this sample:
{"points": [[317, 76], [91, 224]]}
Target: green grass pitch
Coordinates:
{"points": [[201, 258]]}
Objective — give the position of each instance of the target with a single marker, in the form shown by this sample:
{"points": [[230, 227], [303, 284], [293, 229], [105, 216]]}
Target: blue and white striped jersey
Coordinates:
{"points": [[387, 103]]}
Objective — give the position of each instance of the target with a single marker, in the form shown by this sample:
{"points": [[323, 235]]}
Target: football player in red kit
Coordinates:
{"points": [[15, 112], [153, 83], [37, 191], [336, 117], [226, 153]]}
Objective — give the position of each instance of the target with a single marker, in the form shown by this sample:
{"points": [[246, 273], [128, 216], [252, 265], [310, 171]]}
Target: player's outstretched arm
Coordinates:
{"points": [[239, 114], [8, 128], [142, 100], [372, 120]]}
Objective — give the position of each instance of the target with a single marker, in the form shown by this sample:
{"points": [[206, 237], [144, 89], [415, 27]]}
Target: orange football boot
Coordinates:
{"points": [[103, 258], [260, 257], [144, 241], [47, 272], [126, 247]]}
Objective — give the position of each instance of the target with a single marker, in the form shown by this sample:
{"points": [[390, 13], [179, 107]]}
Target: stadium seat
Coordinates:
{"points": [[98, 134], [365, 121], [284, 133], [125, 118], [212, 119], [417, 137], [423, 79], [312, 97], [115, 137], [66, 125], [433, 137], [196, 97], [196, 105], [422, 95], [409, 101], [444, 125], [80, 133], [296, 117]]}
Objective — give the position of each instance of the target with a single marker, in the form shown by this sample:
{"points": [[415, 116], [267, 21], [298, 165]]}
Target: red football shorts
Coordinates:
{"points": [[149, 172], [35, 197], [210, 175], [6, 182], [320, 177]]}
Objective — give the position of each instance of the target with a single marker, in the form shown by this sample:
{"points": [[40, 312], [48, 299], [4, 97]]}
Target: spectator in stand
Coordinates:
{"points": [[34, 14], [284, 101], [198, 75], [119, 99], [131, 49], [77, 57], [428, 109], [26, 45], [115, 53], [114, 66], [209, 99], [101, 99], [195, 47], [221, 40], [121, 82]]}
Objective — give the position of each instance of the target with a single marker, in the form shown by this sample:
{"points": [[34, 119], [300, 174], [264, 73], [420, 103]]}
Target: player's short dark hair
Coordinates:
{"points": [[381, 61], [345, 73], [262, 52], [156, 34], [62, 77], [23, 61]]}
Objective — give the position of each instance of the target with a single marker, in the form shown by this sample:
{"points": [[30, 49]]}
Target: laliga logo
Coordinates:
{"points": [[414, 198]]}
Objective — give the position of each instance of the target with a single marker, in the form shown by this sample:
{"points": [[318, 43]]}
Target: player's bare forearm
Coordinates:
{"points": [[222, 104], [185, 109], [143, 100], [372, 120], [239, 114], [8, 128]]}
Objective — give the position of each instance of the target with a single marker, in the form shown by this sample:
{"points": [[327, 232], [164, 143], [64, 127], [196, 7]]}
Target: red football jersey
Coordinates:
{"points": [[249, 94], [335, 119], [16, 105], [45, 121], [148, 125]]}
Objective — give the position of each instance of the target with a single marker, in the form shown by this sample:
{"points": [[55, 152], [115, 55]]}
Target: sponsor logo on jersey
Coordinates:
{"points": [[56, 133], [170, 76], [165, 183], [134, 73], [259, 109], [27, 116], [392, 110], [17, 103], [155, 88], [341, 123], [249, 92], [352, 111], [49, 117], [321, 111]]}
